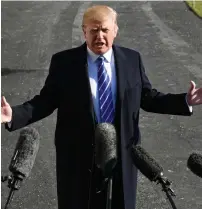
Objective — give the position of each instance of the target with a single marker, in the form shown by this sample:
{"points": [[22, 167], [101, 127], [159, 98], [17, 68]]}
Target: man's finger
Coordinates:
{"points": [[3, 101], [193, 83], [192, 87]]}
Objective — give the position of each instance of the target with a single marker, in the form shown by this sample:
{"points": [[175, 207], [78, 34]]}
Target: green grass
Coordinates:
{"points": [[196, 6]]}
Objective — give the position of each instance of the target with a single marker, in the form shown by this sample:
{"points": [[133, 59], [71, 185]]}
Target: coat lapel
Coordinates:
{"points": [[121, 67], [85, 83]]}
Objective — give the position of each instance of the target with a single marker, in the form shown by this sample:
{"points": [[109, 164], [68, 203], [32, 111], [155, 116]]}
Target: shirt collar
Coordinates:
{"points": [[93, 56]]}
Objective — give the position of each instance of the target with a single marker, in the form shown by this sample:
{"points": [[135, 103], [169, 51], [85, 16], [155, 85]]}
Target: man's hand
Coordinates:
{"points": [[194, 95], [6, 111]]}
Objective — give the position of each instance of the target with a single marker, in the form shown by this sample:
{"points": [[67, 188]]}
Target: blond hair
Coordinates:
{"points": [[99, 13]]}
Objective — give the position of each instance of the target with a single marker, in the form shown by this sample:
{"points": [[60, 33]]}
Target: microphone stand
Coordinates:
{"points": [[165, 183], [110, 183], [13, 184], [109, 193]]}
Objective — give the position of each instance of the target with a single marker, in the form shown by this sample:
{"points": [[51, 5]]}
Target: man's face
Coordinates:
{"points": [[100, 35]]}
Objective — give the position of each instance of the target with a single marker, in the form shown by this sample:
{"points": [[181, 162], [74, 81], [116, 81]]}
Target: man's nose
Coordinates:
{"points": [[100, 34]]}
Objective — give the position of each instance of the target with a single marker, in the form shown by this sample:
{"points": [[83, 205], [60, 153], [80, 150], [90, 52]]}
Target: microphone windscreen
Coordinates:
{"points": [[105, 148], [25, 152], [194, 163], [145, 163]]}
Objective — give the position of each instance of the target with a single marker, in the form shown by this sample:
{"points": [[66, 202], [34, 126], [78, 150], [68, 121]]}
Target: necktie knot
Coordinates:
{"points": [[100, 59]]}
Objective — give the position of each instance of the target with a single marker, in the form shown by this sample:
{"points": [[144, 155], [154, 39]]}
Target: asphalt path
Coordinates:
{"points": [[168, 36]]}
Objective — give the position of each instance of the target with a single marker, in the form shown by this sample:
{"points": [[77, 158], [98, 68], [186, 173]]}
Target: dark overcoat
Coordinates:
{"points": [[67, 88]]}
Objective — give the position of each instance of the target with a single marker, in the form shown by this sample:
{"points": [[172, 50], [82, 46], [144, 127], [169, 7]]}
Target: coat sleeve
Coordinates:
{"points": [[41, 105], [158, 102]]}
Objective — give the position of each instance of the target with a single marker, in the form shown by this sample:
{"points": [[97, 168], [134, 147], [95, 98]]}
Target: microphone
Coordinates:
{"points": [[106, 155], [25, 153], [152, 170], [146, 164], [105, 148], [22, 160], [194, 163]]}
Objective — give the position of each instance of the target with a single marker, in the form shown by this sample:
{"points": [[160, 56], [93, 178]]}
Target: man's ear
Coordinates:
{"points": [[84, 30], [116, 28]]}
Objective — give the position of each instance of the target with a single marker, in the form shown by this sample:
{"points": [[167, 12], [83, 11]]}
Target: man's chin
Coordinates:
{"points": [[100, 50]]}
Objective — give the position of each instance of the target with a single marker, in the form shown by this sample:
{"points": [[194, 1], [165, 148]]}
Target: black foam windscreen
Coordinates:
{"points": [[25, 152], [145, 163], [194, 163], [105, 148]]}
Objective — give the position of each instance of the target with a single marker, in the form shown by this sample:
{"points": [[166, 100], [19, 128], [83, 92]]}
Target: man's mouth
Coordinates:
{"points": [[99, 44]]}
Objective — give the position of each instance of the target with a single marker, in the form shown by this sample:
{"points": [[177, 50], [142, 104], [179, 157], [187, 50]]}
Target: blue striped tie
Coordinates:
{"points": [[105, 93]]}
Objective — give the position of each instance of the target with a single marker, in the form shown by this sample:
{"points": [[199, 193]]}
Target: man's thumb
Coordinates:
{"points": [[192, 87], [3, 101]]}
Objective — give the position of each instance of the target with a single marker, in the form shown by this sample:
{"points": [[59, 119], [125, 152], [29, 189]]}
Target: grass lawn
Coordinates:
{"points": [[196, 6]]}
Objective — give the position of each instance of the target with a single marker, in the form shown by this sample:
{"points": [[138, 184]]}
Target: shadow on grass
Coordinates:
{"points": [[8, 71]]}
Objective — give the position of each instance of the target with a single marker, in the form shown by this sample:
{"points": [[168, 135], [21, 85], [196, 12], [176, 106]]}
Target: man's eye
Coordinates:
{"points": [[105, 30], [94, 30]]}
